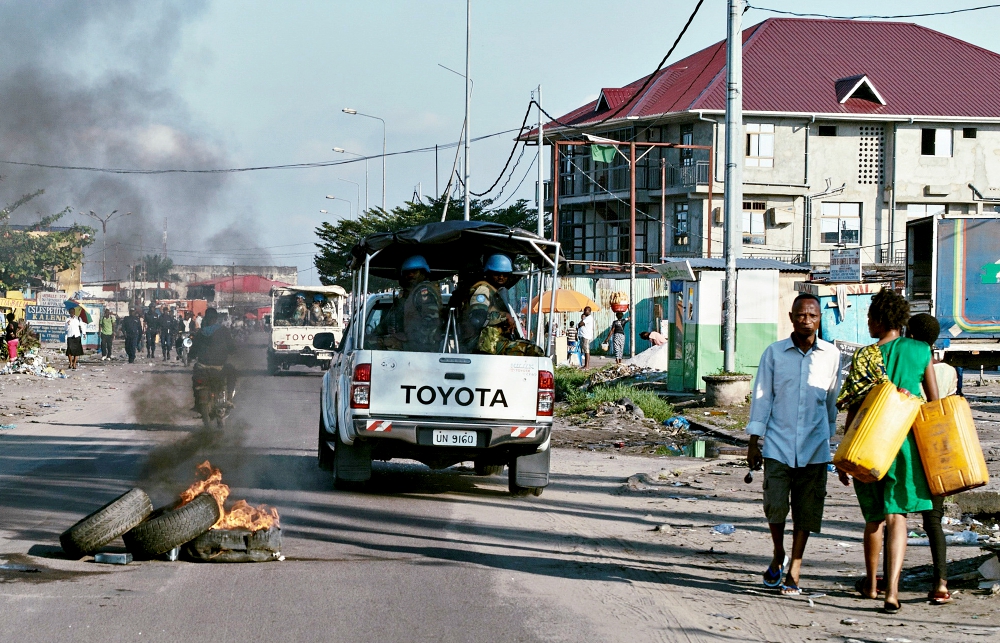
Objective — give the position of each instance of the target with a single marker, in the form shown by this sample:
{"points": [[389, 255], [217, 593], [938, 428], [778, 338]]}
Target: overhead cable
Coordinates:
{"points": [[645, 84], [290, 166], [512, 150], [902, 15]]}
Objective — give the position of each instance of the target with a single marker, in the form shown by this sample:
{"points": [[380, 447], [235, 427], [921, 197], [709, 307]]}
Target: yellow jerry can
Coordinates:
{"points": [[949, 447], [877, 433]]}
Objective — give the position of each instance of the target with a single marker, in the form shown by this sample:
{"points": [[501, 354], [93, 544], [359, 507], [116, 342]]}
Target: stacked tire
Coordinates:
{"points": [[146, 533]]}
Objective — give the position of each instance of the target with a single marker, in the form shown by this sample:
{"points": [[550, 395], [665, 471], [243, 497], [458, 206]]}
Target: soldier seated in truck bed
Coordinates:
{"points": [[413, 322]]}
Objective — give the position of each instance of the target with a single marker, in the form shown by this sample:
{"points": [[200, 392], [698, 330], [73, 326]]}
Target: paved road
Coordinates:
{"points": [[419, 556]]}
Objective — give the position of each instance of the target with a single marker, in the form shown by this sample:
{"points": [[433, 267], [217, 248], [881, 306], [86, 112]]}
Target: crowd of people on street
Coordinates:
{"points": [[795, 400]]}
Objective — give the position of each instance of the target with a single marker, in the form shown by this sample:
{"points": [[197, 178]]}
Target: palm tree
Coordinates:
{"points": [[158, 269]]}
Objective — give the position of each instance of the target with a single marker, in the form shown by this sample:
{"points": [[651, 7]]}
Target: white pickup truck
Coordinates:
{"points": [[293, 327], [443, 407]]}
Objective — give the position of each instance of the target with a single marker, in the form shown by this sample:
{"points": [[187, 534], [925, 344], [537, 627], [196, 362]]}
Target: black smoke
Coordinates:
{"points": [[87, 84]]}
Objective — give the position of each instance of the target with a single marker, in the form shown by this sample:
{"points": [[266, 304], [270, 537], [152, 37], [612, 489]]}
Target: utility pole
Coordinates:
{"points": [[541, 175], [734, 177], [104, 234], [468, 130]]}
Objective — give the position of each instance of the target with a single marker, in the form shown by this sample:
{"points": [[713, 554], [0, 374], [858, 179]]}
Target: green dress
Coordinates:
{"points": [[904, 488]]}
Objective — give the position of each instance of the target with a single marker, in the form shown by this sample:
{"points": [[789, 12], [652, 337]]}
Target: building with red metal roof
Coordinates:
{"points": [[851, 128]]}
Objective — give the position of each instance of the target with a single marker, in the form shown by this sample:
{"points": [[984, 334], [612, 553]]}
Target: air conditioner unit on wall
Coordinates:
{"points": [[781, 216], [717, 216]]}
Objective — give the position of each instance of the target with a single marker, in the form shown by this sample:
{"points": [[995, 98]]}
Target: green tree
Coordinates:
{"points": [[337, 239], [157, 268], [32, 254]]}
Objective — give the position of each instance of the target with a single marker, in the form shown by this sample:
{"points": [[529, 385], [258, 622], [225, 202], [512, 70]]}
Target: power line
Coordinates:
{"points": [[526, 173], [512, 150], [906, 15], [290, 166], [645, 84]]}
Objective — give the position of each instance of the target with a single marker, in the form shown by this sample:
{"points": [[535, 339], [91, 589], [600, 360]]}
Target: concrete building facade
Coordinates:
{"points": [[850, 130]]}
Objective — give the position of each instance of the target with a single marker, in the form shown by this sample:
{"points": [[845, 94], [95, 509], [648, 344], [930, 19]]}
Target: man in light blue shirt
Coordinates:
{"points": [[794, 409]]}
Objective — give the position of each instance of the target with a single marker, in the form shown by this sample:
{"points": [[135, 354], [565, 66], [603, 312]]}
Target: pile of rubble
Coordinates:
{"points": [[621, 407], [618, 372], [31, 364]]}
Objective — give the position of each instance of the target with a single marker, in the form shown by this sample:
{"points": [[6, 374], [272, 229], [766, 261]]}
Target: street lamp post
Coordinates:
{"points": [[357, 185], [104, 233], [337, 198], [360, 156], [354, 112]]}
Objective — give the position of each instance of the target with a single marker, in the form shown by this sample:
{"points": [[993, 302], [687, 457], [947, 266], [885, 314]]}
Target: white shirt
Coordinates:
{"points": [[75, 327], [794, 400], [585, 329]]}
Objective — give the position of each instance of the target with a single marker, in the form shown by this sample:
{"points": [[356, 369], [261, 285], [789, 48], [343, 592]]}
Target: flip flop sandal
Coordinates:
{"points": [[790, 590], [889, 608], [772, 579], [939, 598]]}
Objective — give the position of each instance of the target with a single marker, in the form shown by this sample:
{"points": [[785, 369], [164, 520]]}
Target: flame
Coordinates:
{"points": [[241, 514]]}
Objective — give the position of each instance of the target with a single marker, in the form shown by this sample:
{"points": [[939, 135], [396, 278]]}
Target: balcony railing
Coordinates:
{"points": [[616, 179], [896, 257]]}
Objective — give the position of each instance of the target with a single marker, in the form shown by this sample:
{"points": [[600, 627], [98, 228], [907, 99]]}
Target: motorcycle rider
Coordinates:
{"points": [[212, 345]]}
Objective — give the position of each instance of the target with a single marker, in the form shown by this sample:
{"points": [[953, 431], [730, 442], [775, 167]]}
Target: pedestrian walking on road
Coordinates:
{"points": [[107, 329], [794, 409], [133, 334], [152, 323], [907, 364], [75, 329], [585, 331], [925, 328], [168, 326], [618, 336], [10, 336]]}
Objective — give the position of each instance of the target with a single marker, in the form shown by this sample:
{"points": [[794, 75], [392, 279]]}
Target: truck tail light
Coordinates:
{"points": [[546, 393], [281, 346], [361, 386]]}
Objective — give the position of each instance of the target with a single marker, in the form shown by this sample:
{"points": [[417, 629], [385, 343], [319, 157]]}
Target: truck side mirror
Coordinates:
{"points": [[325, 341]]}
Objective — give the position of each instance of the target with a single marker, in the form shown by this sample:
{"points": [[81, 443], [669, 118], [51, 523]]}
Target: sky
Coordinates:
{"points": [[160, 84]]}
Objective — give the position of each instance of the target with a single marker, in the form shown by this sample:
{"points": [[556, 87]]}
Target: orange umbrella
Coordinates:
{"points": [[567, 301]]}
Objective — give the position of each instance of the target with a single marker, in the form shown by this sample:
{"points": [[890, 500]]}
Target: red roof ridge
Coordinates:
{"points": [[965, 43]]}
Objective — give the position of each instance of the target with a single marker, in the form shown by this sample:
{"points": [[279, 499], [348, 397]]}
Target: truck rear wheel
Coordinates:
{"points": [[273, 366]]}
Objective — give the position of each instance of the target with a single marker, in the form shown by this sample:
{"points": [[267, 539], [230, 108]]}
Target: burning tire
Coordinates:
{"points": [[107, 523], [235, 546], [172, 527]]}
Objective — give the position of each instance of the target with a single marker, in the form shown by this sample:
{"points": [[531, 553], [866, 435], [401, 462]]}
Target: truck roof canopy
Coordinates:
{"points": [[449, 246]]}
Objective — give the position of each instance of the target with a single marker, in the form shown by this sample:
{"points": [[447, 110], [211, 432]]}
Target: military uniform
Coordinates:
{"points": [[489, 325], [413, 322]]}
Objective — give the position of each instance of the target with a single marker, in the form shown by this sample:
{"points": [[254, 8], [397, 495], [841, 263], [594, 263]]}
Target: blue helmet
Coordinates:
{"points": [[416, 262], [318, 298], [499, 263]]}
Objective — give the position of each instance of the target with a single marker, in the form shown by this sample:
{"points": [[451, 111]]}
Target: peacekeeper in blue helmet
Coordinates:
{"points": [[413, 322], [489, 324]]}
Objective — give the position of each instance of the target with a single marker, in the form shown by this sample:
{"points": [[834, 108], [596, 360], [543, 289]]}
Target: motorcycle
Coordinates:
{"points": [[184, 343], [214, 390]]}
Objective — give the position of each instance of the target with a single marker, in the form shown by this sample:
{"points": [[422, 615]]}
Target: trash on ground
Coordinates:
{"points": [[17, 567], [113, 559], [849, 621], [31, 363], [677, 422], [725, 529], [7, 427], [990, 570]]}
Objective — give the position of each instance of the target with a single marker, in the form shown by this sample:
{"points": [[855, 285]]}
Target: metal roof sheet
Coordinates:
{"points": [[793, 65]]}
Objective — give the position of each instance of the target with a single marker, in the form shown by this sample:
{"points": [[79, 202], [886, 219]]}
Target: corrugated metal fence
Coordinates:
{"points": [[650, 304]]}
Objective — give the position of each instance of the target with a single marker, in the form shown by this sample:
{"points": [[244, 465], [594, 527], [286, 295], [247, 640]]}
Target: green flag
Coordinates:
{"points": [[602, 153]]}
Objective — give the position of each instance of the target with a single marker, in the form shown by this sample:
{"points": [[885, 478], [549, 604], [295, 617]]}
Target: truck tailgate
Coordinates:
{"points": [[496, 387]]}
